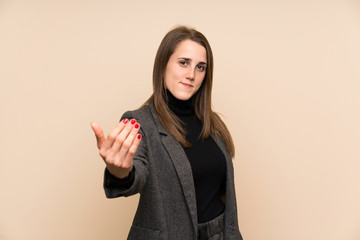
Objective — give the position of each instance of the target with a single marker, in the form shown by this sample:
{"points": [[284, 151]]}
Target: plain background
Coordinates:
{"points": [[287, 82]]}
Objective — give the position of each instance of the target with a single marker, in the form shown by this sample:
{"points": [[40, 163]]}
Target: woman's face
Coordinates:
{"points": [[185, 70]]}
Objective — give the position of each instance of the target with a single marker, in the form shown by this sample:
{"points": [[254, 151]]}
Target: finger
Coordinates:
{"points": [[121, 138], [130, 156], [134, 147], [99, 134], [114, 134], [127, 144], [125, 139]]}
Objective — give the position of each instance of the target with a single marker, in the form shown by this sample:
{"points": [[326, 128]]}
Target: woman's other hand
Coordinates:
{"points": [[118, 149]]}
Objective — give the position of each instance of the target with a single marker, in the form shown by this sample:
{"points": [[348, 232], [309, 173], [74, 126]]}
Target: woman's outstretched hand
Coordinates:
{"points": [[118, 149]]}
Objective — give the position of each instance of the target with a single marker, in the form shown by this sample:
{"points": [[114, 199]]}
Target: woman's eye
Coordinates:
{"points": [[183, 63], [201, 68]]}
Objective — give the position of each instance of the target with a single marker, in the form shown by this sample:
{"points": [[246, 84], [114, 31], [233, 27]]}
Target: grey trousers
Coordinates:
{"points": [[212, 230]]}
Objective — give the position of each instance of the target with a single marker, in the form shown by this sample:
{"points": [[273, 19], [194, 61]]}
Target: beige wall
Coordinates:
{"points": [[287, 81]]}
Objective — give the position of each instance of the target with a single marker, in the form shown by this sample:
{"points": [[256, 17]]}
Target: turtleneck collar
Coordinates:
{"points": [[179, 107]]}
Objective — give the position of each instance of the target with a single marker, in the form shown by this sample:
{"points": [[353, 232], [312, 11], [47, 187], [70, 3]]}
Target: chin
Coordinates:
{"points": [[183, 97]]}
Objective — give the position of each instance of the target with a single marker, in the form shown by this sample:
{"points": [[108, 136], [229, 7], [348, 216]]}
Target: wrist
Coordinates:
{"points": [[119, 173]]}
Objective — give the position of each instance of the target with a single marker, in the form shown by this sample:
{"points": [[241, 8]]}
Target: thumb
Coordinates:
{"points": [[99, 134]]}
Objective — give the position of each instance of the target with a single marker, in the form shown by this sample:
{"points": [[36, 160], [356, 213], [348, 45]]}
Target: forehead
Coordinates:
{"points": [[190, 49]]}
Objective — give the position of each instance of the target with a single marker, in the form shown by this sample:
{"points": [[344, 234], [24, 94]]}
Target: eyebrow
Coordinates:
{"points": [[189, 59]]}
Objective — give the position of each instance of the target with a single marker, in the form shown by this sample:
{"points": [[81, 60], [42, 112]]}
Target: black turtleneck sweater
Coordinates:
{"points": [[207, 162]]}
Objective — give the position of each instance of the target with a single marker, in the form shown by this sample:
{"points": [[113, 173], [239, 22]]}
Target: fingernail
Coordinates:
{"points": [[125, 120], [139, 136], [133, 121], [137, 126]]}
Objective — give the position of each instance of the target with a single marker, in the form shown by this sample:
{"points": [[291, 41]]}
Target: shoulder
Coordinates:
{"points": [[141, 113], [145, 115]]}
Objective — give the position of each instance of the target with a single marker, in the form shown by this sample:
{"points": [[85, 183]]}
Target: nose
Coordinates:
{"points": [[190, 74]]}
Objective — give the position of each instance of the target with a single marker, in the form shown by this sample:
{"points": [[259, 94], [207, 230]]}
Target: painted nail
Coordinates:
{"points": [[133, 121], [125, 121], [137, 126], [139, 136]]}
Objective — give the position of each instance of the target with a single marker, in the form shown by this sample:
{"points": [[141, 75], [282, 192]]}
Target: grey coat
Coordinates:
{"points": [[163, 177]]}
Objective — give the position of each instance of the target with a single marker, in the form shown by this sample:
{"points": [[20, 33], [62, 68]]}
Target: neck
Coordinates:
{"points": [[179, 107]]}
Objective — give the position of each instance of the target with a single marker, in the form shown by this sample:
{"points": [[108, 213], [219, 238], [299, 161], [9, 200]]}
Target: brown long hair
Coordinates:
{"points": [[201, 100]]}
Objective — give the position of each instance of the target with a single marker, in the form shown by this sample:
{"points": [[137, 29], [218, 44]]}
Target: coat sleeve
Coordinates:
{"points": [[114, 188]]}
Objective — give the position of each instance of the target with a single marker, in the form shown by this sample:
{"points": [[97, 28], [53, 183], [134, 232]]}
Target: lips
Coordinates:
{"points": [[186, 85]]}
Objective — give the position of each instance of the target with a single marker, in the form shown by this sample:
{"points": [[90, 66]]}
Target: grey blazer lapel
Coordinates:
{"points": [[181, 164]]}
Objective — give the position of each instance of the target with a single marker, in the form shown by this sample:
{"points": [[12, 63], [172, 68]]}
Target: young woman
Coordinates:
{"points": [[175, 151]]}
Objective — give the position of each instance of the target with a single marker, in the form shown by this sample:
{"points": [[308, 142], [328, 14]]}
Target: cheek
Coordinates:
{"points": [[172, 74], [200, 80], [178, 73], [168, 77]]}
